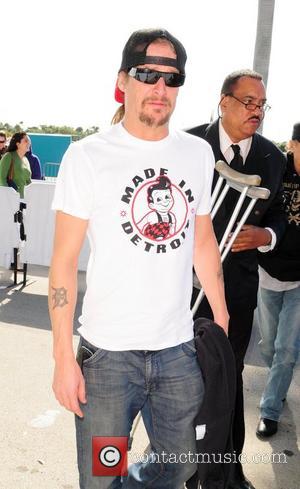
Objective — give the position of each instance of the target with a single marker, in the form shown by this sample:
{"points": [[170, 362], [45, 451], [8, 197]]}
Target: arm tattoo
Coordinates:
{"points": [[59, 297]]}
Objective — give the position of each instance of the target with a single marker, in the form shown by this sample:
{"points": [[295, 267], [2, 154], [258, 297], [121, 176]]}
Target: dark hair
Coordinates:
{"points": [[16, 138], [3, 135], [296, 132], [232, 79], [163, 183]]}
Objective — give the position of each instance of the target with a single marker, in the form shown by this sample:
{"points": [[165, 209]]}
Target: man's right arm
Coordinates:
{"points": [[68, 382]]}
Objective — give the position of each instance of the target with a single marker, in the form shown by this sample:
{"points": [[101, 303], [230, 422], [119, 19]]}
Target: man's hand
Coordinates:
{"points": [[223, 322], [68, 385], [251, 237]]}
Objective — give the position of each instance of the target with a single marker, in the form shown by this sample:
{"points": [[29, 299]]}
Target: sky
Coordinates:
{"points": [[62, 58]]}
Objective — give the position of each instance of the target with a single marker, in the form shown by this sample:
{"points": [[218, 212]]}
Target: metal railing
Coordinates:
{"points": [[51, 171]]}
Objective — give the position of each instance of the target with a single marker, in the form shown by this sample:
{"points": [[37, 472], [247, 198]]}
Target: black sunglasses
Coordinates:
{"points": [[145, 75]]}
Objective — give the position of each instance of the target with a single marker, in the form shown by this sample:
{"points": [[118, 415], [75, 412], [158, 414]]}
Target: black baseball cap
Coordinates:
{"points": [[296, 131], [134, 53]]}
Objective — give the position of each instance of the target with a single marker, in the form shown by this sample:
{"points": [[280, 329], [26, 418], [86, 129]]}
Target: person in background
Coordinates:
{"points": [[2, 144], [35, 164], [14, 166], [234, 139], [279, 300], [140, 357]]}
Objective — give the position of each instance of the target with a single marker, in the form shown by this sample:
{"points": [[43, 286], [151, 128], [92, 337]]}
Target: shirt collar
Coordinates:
{"points": [[225, 144]]}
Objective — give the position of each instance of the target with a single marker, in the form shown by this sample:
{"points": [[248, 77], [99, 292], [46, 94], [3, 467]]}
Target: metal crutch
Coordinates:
{"points": [[247, 185], [233, 176]]}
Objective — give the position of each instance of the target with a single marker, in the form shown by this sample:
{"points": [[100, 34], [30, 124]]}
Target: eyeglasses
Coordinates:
{"points": [[151, 77], [250, 105]]}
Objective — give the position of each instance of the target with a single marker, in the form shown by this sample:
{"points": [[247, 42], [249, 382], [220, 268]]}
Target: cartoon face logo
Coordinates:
{"points": [[160, 196], [160, 222]]}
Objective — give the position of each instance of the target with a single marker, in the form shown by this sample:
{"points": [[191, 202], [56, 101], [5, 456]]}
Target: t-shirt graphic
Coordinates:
{"points": [[158, 210], [292, 204], [160, 222]]}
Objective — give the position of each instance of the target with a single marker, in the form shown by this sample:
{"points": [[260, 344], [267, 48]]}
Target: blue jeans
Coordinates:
{"points": [[166, 386], [279, 323]]}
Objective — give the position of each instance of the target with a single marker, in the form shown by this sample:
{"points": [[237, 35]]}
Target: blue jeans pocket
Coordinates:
{"points": [[189, 348], [88, 354]]}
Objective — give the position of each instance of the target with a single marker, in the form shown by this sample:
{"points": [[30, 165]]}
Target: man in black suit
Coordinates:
{"points": [[234, 139]]}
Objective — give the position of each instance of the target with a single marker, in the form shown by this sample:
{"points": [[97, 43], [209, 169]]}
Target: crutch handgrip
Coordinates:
{"points": [[252, 192], [228, 173]]}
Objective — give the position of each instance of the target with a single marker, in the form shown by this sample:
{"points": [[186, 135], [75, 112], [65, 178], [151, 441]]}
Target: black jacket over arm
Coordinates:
{"points": [[267, 161], [217, 364]]}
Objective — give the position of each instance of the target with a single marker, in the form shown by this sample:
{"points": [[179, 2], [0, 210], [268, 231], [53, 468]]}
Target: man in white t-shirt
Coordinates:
{"points": [[136, 350]]}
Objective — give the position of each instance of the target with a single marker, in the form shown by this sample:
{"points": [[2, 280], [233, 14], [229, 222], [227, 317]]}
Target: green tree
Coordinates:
{"points": [[76, 133]]}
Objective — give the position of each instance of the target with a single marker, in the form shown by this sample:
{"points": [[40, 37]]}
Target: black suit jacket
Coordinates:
{"points": [[267, 161]]}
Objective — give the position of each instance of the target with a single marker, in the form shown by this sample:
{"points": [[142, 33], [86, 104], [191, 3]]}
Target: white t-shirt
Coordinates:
{"points": [[140, 198]]}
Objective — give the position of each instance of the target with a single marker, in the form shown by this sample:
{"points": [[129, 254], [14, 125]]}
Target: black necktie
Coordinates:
{"points": [[237, 161]]}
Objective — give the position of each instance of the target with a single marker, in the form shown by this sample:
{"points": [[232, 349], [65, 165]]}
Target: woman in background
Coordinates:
{"points": [[14, 166]]}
